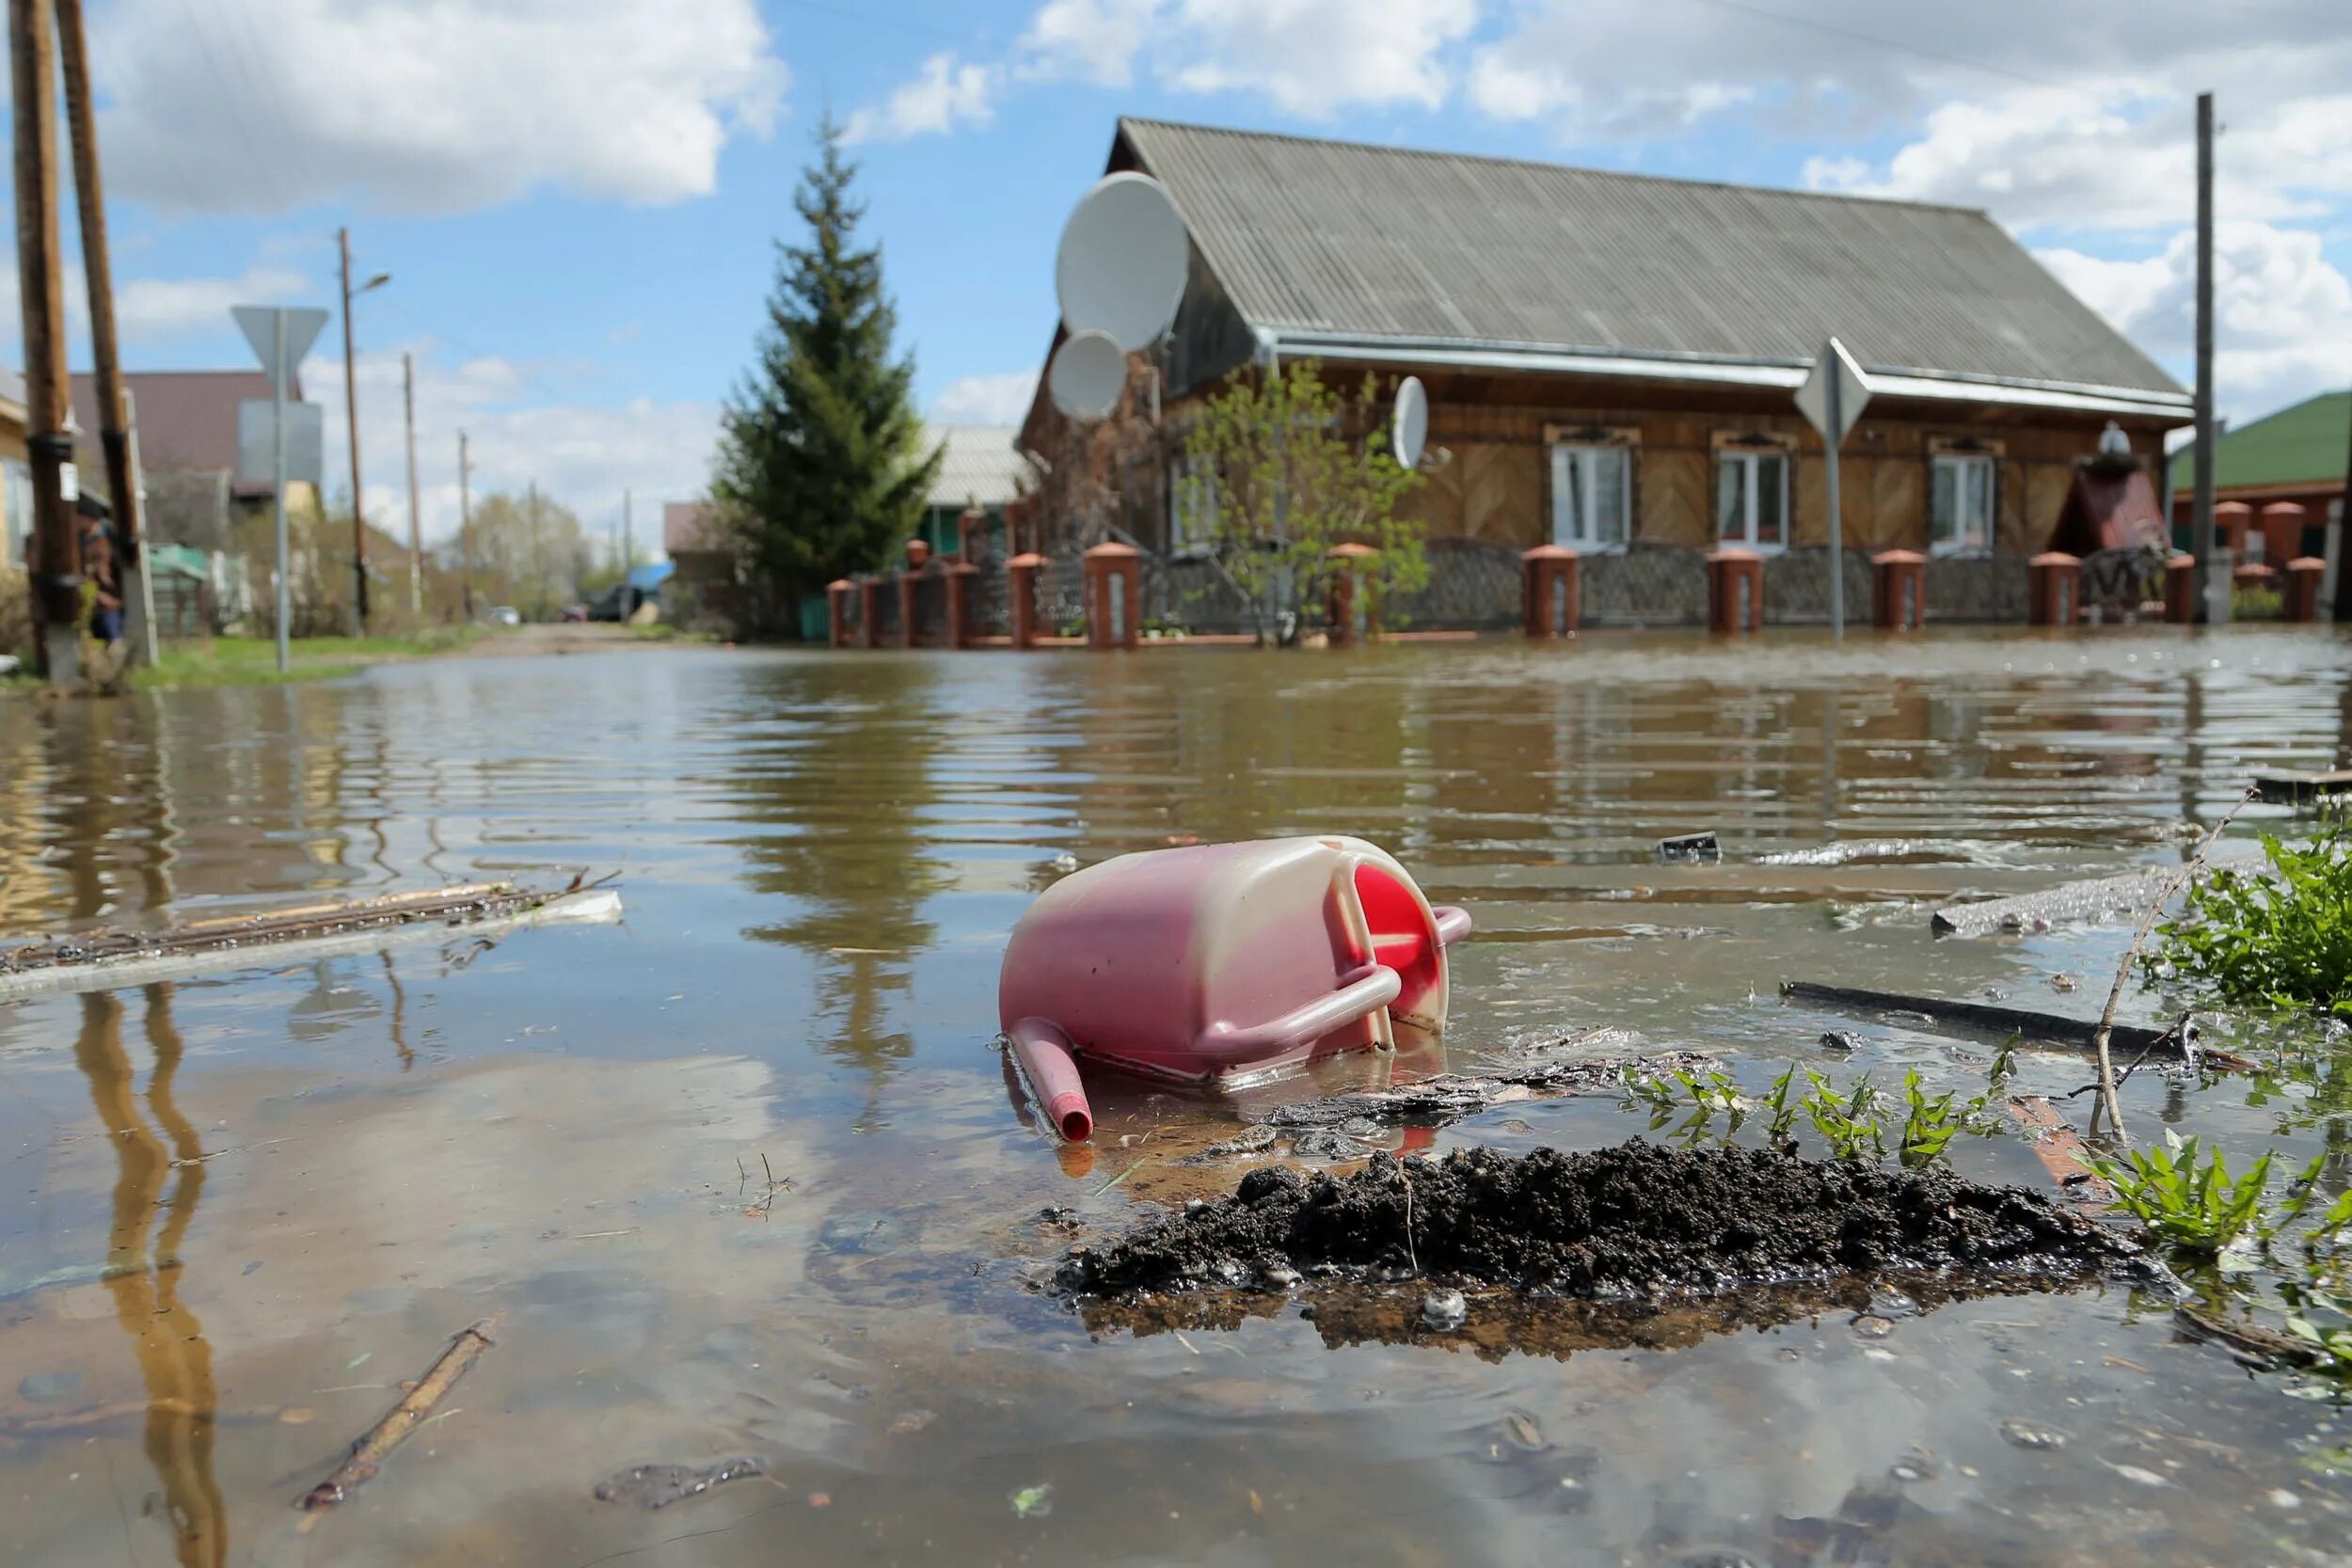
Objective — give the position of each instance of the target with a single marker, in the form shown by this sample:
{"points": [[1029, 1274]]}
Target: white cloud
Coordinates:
{"points": [[428, 105], [1095, 41], [985, 399], [146, 309], [580, 454], [2282, 314], [1312, 57], [940, 97]]}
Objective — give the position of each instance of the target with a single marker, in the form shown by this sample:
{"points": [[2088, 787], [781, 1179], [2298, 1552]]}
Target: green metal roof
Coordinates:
{"points": [[2301, 445]]}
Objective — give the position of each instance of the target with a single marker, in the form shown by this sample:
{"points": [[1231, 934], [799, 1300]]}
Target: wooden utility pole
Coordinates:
{"points": [[351, 413], [2201, 541], [48, 390], [114, 422], [416, 533], [465, 528]]}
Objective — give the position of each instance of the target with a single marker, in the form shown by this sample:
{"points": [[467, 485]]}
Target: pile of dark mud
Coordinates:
{"points": [[1636, 1220]]}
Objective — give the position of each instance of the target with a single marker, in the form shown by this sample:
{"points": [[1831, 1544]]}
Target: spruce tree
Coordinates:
{"points": [[821, 469]]}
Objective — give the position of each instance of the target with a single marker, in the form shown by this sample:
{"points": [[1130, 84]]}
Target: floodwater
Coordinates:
{"points": [[742, 1176]]}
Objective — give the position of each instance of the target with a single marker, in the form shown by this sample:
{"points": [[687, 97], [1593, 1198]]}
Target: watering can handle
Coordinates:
{"points": [[1454, 924], [1374, 986]]}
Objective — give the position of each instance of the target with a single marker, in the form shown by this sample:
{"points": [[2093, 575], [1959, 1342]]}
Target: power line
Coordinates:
{"points": [[1892, 45]]}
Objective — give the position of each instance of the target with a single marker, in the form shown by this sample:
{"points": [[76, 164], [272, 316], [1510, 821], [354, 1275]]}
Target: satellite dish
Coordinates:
{"points": [[1409, 427], [1089, 372], [1123, 261]]}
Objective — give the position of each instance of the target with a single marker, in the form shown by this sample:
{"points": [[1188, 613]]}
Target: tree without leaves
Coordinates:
{"points": [[820, 469], [1280, 481]]}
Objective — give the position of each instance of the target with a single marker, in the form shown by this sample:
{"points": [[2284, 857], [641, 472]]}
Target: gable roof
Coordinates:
{"points": [[187, 419], [982, 465], [687, 528], [1337, 248], [2303, 445]]}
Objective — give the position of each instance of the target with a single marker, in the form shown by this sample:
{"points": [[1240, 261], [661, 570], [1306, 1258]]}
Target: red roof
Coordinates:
{"points": [[187, 419]]}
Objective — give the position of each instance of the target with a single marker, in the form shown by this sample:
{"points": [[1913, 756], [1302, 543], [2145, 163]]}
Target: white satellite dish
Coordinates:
{"points": [[1089, 372], [1121, 269], [1408, 426]]}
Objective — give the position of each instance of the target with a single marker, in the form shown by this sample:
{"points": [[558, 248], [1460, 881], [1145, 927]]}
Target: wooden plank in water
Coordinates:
{"points": [[1979, 1018], [2289, 785]]}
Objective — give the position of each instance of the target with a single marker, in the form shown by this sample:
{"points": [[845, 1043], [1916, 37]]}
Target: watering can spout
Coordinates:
{"points": [[1044, 1052]]}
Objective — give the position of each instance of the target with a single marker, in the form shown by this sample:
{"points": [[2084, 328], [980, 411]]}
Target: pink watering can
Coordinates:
{"points": [[1221, 962]]}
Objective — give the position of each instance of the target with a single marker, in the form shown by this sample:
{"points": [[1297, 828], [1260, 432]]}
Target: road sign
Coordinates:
{"points": [[257, 450], [1833, 395], [259, 323]]}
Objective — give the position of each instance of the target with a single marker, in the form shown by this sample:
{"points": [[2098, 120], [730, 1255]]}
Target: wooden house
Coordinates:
{"points": [[1611, 361]]}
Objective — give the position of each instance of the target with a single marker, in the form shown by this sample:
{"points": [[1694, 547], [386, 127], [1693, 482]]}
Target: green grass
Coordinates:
{"points": [[253, 660]]}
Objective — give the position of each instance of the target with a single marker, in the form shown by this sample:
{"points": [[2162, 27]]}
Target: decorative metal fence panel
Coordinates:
{"points": [[1649, 585], [1976, 588]]}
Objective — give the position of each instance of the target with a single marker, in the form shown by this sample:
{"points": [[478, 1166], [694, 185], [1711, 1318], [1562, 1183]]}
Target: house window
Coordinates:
{"points": [[1592, 500], [1191, 506], [1752, 500], [1959, 505]]}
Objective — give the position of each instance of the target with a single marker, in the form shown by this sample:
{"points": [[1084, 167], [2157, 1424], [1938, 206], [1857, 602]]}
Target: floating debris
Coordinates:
{"points": [[660, 1485], [1443, 1311], [1687, 847], [369, 1453]]}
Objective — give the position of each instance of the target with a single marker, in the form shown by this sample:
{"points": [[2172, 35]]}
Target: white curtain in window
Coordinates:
{"points": [[1589, 496]]}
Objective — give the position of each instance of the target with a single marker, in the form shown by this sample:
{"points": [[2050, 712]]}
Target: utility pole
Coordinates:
{"points": [[41, 286], [351, 413], [416, 533], [465, 528], [629, 551], [2201, 541], [538, 574], [113, 409]]}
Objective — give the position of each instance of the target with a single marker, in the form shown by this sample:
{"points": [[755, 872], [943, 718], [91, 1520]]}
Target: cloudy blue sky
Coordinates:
{"points": [[575, 198]]}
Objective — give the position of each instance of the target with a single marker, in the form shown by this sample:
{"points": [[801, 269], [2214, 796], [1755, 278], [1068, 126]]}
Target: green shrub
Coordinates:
{"points": [[2281, 936]]}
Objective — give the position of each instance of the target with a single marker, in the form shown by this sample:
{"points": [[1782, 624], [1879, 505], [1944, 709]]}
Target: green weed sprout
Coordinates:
{"points": [[2194, 1206]]}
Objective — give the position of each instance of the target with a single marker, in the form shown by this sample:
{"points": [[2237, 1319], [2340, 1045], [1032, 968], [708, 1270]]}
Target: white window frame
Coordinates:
{"points": [[1752, 461], [1596, 542], [1191, 516], [1961, 544]]}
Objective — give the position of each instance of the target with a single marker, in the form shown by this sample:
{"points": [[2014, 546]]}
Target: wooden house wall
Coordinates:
{"points": [[1497, 484]]}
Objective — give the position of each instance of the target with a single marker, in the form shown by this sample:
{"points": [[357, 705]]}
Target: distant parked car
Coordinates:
{"points": [[505, 616], [576, 612]]}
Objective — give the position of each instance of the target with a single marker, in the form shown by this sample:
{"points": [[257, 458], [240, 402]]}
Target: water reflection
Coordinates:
{"points": [[166, 1339], [845, 753]]}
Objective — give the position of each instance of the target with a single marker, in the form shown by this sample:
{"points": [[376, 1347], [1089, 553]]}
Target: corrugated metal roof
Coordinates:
{"points": [[1345, 239], [2301, 444], [982, 465]]}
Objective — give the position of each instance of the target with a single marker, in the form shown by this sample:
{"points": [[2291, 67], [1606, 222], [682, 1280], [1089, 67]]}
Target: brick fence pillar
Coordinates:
{"points": [[1021, 575], [2180, 588], [2302, 591], [1347, 595], [960, 577], [1551, 591], [1735, 590], [868, 608], [1113, 592], [837, 612], [1899, 583], [2054, 589]]}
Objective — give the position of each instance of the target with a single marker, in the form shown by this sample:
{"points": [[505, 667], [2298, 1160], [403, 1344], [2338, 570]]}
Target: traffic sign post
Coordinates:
{"points": [[1832, 398], [281, 337]]}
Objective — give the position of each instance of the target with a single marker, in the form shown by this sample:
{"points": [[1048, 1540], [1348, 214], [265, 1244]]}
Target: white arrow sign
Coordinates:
{"points": [[260, 324], [1832, 397]]}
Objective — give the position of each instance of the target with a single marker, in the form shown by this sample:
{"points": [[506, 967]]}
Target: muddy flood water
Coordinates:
{"points": [[741, 1174]]}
